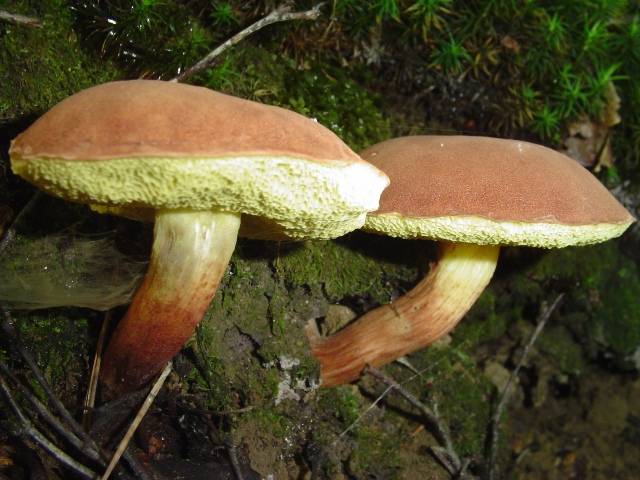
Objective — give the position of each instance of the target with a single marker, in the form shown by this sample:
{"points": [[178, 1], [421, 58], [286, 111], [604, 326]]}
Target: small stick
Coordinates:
{"points": [[52, 421], [280, 14], [90, 399], [29, 430], [432, 416], [18, 19], [136, 421], [9, 329], [494, 423], [381, 397], [7, 325]]}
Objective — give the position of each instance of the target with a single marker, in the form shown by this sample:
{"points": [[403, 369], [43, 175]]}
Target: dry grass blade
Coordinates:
{"points": [[136, 421]]}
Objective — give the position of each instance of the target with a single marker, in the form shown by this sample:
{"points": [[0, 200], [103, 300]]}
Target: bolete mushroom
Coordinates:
{"points": [[473, 194], [194, 160]]}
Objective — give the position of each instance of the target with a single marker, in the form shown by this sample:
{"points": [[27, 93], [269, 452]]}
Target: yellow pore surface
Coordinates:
{"points": [[306, 199], [483, 231]]}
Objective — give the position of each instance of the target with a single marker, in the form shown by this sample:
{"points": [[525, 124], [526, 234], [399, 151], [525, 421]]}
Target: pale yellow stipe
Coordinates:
{"points": [[483, 231], [307, 199], [424, 314], [190, 253]]}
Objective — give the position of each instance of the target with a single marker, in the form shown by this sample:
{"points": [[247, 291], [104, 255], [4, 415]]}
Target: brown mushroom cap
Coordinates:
{"points": [[490, 191], [146, 118], [132, 147]]}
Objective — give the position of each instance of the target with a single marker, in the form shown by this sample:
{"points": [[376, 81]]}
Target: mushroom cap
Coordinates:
{"points": [[133, 147], [490, 191]]}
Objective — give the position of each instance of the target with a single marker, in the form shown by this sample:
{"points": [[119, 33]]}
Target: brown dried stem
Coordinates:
{"points": [[18, 19], [90, 399], [124, 443]]}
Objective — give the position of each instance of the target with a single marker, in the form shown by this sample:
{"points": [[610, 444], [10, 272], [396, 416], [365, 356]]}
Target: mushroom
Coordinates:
{"points": [[472, 194], [193, 160]]}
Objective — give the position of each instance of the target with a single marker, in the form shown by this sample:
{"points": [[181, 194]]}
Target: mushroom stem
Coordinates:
{"points": [[191, 250], [430, 310]]}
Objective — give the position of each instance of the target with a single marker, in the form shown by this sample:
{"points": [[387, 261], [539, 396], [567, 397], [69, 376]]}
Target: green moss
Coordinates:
{"points": [[336, 101], [357, 265], [342, 403], [375, 455], [562, 349], [482, 323], [269, 422], [41, 66], [605, 285], [460, 390], [60, 345]]}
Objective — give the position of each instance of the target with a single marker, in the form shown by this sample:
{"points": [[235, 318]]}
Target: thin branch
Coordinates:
{"points": [[440, 431], [90, 399], [30, 431], [136, 421], [494, 424], [46, 415], [7, 325], [18, 19], [280, 14]]}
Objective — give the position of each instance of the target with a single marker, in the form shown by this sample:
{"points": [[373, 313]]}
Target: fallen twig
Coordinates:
{"points": [[280, 14], [18, 19], [90, 399], [122, 446], [494, 423], [446, 454], [51, 420], [28, 430], [7, 325]]}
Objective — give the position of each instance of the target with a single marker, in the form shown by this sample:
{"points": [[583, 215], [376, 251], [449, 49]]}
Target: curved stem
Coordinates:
{"points": [[430, 310], [190, 254]]}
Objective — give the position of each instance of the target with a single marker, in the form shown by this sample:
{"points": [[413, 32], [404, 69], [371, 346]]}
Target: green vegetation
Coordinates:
{"points": [[367, 70], [521, 68], [41, 66]]}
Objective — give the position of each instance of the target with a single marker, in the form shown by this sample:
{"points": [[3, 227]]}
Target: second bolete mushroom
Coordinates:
{"points": [[473, 194], [194, 161]]}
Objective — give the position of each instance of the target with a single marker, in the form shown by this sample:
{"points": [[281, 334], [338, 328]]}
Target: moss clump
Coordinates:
{"points": [[376, 454], [271, 291], [482, 323], [41, 66], [559, 346], [600, 308], [463, 394], [60, 345], [356, 265], [343, 403], [337, 102], [605, 285]]}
